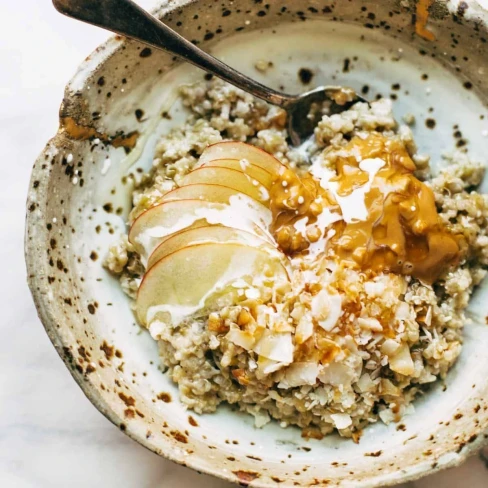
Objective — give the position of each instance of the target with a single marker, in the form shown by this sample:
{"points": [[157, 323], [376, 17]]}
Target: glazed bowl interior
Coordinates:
{"points": [[115, 108]]}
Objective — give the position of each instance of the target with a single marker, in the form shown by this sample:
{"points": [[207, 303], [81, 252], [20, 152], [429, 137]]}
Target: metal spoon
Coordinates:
{"points": [[128, 19]]}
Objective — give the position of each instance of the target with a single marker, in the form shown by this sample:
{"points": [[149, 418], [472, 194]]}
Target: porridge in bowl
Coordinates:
{"points": [[325, 287]]}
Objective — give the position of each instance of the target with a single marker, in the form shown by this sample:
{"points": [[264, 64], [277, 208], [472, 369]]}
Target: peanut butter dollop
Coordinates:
{"points": [[402, 232]]}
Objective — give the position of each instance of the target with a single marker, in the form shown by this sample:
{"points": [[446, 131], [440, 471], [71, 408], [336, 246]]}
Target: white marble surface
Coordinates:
{"points": [[50, 434]]}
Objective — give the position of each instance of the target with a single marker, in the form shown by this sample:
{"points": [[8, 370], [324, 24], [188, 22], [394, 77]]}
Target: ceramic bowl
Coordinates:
{"points": [[114, 109]]}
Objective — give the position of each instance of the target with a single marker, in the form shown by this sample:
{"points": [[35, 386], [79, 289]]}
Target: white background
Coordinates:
{"points": [[50, 434]]}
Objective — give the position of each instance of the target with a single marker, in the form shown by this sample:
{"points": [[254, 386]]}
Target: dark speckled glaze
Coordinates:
{"points": [[78, 202]]}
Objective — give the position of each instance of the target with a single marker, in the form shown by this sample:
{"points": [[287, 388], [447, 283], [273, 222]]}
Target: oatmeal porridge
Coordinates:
{"points": [[325, 288]]}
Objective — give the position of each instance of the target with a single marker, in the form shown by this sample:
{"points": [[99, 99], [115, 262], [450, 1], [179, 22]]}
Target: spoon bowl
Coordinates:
{"points": [[305, 110]]}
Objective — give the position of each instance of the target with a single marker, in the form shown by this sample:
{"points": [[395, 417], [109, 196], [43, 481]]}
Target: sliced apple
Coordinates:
{"points": [[252, 171], [167, 218], [228, 177], [206, 234], [194, 278], [205, 192], [241, 150]]}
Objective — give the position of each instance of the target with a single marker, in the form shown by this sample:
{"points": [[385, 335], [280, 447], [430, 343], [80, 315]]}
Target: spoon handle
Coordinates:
{"points": [[128, 19]]}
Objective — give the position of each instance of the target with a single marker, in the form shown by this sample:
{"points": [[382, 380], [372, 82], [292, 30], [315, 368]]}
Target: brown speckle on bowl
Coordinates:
{"points": [[192, 421], [254, 458], [164, 397], [85, 355], [462, 8], [246, 477], [374, 454], [107, 350], [177, 435], [139, 113], [146, 52], [129, 413], [305, 75], [128, 400], [90, 369]]}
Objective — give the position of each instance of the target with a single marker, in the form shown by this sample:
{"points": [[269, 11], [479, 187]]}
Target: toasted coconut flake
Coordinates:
{"points": [[268, 366], [365, 383], [370, 323], [388, 388], [328, 348], [425, 318], [389, 347], [275, 346], [387, 416], [402, 311], [341, 420], [299, 374], [401, 362], [241, 338], [304, 329], [326, 309], [374, 288], [336, 374]]}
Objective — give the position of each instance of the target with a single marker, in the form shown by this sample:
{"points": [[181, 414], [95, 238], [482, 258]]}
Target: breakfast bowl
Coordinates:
{"points": [[428, 57]]}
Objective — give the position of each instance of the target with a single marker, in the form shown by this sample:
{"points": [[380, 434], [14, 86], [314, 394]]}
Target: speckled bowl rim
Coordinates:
{"points": [[45, 310]]}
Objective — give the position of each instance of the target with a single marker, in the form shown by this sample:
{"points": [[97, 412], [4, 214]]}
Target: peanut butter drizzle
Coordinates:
{"points": [[293, 198], [402, 233], [422, 16], [72, 129]]}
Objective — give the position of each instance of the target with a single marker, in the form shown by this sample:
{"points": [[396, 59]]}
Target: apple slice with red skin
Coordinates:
{"points": [[241, 150], [205, 192], [206, 234], [193, 278], [227, 177], [252, 171], [160, 221], [169, 217]]}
